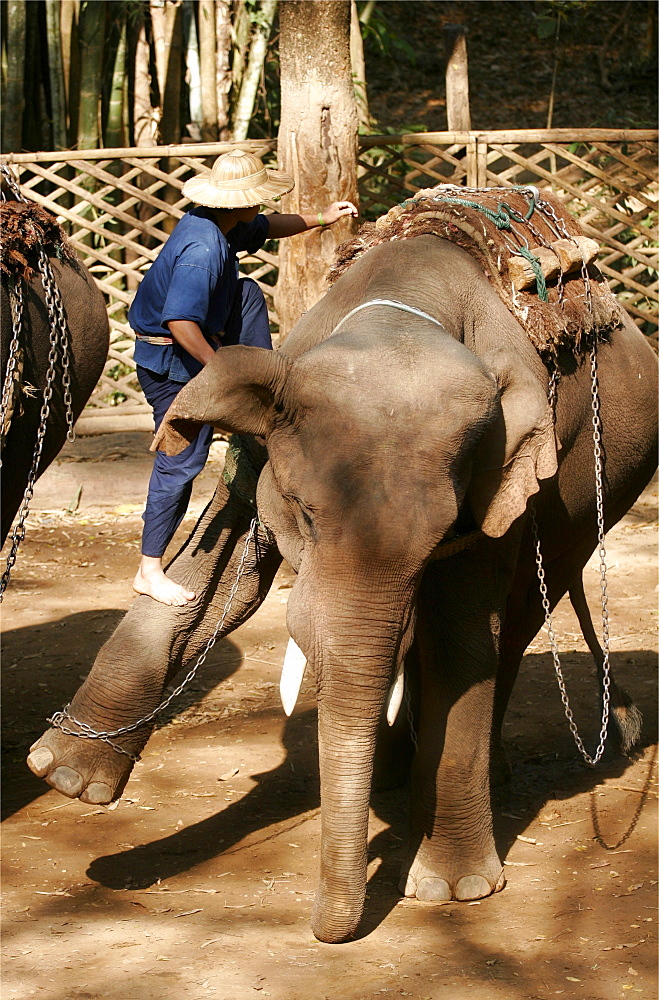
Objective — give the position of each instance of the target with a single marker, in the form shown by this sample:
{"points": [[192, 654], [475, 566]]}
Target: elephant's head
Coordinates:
{"points": [[377, 440]]}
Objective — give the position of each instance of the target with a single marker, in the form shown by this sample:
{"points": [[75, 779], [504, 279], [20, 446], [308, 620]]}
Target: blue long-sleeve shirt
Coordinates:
{"points": [[194, 277]]}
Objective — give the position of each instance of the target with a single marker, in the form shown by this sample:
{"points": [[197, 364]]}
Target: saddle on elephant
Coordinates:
{"points": [[531, 249]]}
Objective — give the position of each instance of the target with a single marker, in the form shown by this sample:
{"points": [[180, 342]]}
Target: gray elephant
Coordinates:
{"points": [[87, 320], [398, 416]]}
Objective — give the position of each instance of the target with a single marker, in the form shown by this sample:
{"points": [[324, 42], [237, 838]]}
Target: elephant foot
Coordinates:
{"points": [[89, 770], [431, 886]]}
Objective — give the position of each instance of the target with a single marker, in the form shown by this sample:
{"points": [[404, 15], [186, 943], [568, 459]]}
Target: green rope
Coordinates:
{"points": [[537, 270]]}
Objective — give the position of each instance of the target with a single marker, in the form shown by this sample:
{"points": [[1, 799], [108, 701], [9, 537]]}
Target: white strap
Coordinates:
{"points": [[386, 302]]}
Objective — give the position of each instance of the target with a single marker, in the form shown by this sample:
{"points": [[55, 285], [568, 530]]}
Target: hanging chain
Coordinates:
{"points": [[85, 731], [18, 533], [8, 387], [606, 670], [12, 184], [59, 345]]}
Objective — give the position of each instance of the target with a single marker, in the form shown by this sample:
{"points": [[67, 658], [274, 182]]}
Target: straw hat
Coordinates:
{"points": [[237, 180]]}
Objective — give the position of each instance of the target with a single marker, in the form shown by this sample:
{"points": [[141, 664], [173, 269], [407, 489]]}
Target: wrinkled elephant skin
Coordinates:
{"points": [[384, 440]]}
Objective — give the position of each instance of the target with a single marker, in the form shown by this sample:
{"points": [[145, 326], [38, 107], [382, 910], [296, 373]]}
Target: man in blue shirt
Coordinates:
{"points": [[190, 302]]}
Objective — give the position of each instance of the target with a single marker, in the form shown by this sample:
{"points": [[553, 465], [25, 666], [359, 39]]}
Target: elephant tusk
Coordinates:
{"points": [[292, 673], [395, 698]]}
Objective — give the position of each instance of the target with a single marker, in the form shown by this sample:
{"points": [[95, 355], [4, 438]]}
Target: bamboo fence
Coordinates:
{"points": [[119, 206]]}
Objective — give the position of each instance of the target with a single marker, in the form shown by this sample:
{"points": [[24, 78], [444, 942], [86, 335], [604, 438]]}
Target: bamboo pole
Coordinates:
{"points": [[252, 74], [457, 78], [92, 34], [56, 73], [12, 119], [223, 66], [207, 70]]}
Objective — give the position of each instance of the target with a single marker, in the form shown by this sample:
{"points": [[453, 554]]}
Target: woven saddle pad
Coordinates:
{"points": [[580, 308]]}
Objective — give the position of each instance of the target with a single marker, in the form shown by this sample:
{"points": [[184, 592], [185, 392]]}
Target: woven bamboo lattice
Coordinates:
{"points": [[119, 206]]}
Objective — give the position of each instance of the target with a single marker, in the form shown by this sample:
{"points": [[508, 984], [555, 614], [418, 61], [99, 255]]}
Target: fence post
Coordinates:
{"points": [[481, 162], [457, 78]]}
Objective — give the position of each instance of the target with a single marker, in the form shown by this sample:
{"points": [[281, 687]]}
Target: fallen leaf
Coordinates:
{"points": [[571, 979], [228, 774], [186, 913]]}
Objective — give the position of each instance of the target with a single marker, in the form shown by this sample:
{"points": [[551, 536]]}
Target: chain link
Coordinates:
{"points": [[606, 670], [8, 387], [59, 345], [85, 731], [12, 183]]}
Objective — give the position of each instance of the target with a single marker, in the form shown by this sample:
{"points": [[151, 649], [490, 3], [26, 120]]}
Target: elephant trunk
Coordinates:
{"points": [[352, 689]]}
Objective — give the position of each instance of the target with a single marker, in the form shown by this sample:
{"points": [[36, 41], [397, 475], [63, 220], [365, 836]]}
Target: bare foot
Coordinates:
{"points": [[152, 581]]}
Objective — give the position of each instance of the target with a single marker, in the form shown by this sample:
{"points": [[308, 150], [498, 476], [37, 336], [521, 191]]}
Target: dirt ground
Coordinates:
{"points": [[199, 882]]}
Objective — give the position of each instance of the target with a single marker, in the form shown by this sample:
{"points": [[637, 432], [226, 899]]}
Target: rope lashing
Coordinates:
{"points": [[534, 261]]}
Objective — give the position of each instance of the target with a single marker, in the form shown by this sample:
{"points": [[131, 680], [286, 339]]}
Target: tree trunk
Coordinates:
{"points": [[207, 69], [56, 73], [70, 13], [241, 31], [12, 119], [358, 66], [317, 143], [92, 35], [114, 131], [223, 67], [193, 70], [143, 114], [168, 43], [252, 74]]}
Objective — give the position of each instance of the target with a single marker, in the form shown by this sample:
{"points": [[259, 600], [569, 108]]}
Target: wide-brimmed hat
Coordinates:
{"points": [[237, 180]]}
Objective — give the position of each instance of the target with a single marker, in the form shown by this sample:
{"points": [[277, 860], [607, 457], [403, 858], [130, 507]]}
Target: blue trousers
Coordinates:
{"points": [[172, 476]]}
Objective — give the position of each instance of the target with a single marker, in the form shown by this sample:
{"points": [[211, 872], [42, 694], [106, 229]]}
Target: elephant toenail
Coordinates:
{"points": [[407, 886], [39, 761], [501, 881], [98, 793], [433, 890], [67, 781], [472, 887]]}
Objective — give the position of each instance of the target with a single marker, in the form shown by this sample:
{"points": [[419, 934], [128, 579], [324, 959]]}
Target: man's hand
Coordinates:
{"points": [[336, 211], [290, 225]]}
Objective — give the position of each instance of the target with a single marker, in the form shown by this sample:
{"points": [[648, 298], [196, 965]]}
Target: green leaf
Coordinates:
{"points": [[546, 27]]}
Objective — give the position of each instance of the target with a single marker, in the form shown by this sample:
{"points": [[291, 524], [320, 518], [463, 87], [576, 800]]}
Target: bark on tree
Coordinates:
{"points": [[252, 75], [56, 73], [223, 66], [12, 119], [207, 69], [92, 36], [317, 143]]}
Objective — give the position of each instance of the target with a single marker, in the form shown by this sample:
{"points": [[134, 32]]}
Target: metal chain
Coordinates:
{"points": [[58, 719], [599, 836], [410, 714], [59, 344], [58, 322], [18, 533], [16, 303], [606, 670], [12, 183]]}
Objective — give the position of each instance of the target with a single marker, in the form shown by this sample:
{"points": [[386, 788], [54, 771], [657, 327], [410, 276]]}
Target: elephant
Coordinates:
{"points": [[87, 320], [403, 447]]}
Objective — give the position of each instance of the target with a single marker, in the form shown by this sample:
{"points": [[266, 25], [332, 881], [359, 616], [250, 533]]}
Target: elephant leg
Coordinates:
{"points": [[394, 749], [148, 648], [452, 854]]}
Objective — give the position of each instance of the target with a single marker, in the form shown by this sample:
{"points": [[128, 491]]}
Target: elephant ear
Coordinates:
{"points": [[236, 392], [517, 450]]}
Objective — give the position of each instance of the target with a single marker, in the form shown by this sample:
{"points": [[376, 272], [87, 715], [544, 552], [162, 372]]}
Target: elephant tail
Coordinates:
{"points": [[627, 717]]}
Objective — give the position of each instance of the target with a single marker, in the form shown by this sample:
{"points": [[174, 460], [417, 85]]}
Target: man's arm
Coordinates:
{"points": [[281, 226], [188, 334]]}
